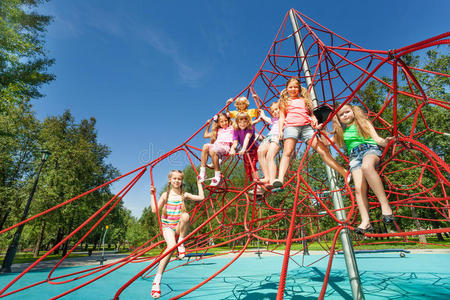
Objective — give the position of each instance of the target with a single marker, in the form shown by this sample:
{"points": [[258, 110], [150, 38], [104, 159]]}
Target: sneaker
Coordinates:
{"points": [[259, 191], [215, 181], [277, 184], [201, 178]]}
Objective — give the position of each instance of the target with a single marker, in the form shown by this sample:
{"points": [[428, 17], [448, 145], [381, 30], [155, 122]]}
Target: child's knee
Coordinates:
{"points": [[367, 168], [206, 147], [184, 217]]}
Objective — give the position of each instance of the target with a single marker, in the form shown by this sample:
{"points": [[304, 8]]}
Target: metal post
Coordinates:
{"points": [[347, 247], [12, 249], [103, 245]]}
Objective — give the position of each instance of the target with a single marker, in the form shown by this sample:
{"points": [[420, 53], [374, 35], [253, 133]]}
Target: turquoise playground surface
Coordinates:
{"points": [[383, 276]]}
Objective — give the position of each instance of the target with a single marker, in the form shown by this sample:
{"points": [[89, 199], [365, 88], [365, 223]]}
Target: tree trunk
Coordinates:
{"points": [[439, 236], [3, 220], [422, 238], [59, 237], [39, 240]]}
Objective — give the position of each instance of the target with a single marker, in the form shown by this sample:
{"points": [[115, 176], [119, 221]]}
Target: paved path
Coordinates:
{"points": [[72, 261]]}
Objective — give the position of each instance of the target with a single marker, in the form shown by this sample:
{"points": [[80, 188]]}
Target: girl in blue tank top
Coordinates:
{"points": [[352, 128]]}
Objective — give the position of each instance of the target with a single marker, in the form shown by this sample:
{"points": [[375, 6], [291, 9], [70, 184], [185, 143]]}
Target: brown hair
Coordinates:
{"points": [[284, 96], [240, 116], [361, 122], [169, 188]]}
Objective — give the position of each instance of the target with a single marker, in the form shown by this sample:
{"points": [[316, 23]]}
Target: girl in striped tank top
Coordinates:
{"points": [[174, 219]]}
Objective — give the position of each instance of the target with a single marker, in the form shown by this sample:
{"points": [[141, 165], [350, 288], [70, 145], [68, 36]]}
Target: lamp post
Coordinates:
{"points": [[12, 249]]}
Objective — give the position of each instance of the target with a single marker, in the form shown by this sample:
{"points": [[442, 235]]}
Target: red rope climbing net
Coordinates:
{"points": [[231, 214]]}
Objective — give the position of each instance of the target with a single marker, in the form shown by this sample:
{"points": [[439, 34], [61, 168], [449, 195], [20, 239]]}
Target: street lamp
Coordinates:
{"points": [[12, 249]]}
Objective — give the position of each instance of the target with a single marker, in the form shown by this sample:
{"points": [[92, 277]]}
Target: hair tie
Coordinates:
{"points": [[228, 115], [215, 118]]}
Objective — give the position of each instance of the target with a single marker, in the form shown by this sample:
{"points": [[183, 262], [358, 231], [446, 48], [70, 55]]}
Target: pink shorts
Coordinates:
{"points": [[220, 149]]}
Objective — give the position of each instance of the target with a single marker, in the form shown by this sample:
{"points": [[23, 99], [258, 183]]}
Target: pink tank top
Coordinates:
{"points": [[225, 135], [297, 113]]}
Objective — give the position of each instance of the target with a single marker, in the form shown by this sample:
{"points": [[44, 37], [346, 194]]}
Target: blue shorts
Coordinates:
{"points": [[359, 152], [273, 138], [304, 133]]}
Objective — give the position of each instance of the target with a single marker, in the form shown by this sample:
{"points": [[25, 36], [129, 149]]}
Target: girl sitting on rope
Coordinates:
{"points": [[221, 137], [352, 128], [174, 219], [270, 146], [295, 121], [244, 135]]}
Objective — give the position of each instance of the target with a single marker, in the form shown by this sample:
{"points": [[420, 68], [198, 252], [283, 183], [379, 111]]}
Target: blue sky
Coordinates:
{"points": [[151, 72]]}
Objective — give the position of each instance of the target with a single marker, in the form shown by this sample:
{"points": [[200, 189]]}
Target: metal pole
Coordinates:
{"points": [[103, 245], [347, 247]]}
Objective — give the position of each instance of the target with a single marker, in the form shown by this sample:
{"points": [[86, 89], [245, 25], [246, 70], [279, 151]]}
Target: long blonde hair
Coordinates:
{"points": [[169, 188], [284, 96], [361, 121], [216, 126]]}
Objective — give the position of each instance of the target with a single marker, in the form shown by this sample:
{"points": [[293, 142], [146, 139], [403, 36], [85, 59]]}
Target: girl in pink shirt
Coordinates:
{"points": [[221, 137], [295, 122]]}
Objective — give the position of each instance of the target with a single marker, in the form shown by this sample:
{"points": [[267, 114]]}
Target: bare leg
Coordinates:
{"points": [[262, 152], [323, 151], [361, 197], [169, 236], [215, 160], [289, 146], [204, 158], [272, 167], [183, 226], [373, 179]]}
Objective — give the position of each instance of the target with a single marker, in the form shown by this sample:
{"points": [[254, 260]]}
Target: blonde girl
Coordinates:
{"points": [[270, 146], [296, 119], [244, 135], [352, 128], [221, 136], [242, 105], [174, 219]]}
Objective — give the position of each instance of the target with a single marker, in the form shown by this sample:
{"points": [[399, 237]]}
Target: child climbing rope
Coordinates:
{"points": [[174, 219], [244, 135], [352, 128], [270, 146], [221, 137], [295, 123]]}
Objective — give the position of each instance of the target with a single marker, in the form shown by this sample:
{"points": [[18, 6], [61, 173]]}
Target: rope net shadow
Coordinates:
{"points": [[235, 216]]}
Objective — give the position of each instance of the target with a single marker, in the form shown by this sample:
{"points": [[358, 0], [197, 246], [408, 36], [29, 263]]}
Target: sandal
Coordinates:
{"points": [[156, 290], [388, 218], [359, 230], [181, 251]]}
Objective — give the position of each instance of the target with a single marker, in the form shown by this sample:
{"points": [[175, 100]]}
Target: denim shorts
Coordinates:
{"points": [[359, 152], [273, 138], [304, 133]]}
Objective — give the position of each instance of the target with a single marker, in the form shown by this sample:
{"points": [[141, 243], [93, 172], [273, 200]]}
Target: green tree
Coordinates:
{"points": [[23, 58]]}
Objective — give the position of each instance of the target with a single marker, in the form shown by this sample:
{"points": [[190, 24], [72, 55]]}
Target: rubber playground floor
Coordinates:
{"points": [[384, 276]]}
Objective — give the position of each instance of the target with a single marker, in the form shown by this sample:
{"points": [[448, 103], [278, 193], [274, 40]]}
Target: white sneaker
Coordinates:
{"points": [[215, 181], [259, 191], [201, 178]]}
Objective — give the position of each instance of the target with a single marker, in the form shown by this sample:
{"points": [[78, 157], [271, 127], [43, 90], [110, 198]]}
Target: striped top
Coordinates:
{"points": [[173, 207]]}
